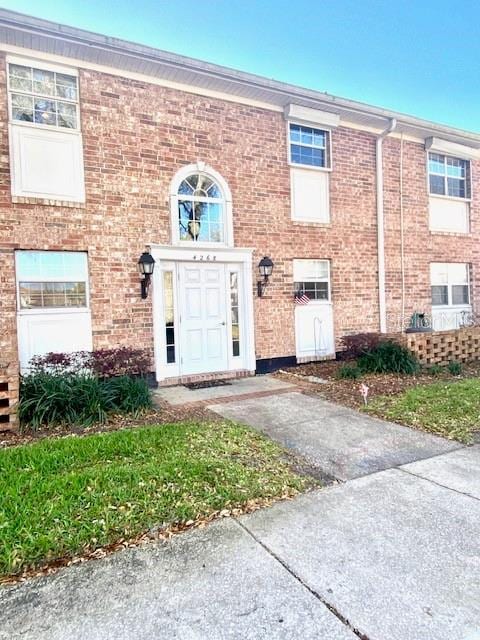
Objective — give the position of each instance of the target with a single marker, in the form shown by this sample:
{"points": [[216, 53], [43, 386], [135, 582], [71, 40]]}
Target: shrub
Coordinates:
{"points": [[348, 372], [454, 367], [435, 369], [357, 344], [104, 363], [80, 399], [388, 357]]}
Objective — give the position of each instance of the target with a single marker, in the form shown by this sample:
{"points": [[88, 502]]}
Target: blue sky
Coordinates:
{"points": [[421, 57]]}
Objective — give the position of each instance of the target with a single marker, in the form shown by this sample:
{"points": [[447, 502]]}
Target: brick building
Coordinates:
{"points": [[110, 149]]}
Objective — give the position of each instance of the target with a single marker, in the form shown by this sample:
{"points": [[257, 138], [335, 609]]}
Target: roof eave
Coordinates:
{"points": [[43, 35]]}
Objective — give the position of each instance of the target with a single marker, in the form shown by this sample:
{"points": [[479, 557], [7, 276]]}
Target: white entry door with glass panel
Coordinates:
{"points": [[203, 314], [314, 335]]}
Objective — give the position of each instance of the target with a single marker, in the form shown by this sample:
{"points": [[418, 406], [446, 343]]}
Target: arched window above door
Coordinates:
{"points": [[201, 207]]}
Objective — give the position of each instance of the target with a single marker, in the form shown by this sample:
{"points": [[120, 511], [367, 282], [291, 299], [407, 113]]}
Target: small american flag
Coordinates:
{"points": [[301, 298]]}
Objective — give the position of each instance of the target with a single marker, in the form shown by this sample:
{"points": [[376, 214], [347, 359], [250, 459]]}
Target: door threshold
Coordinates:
{"points": [[205, 377]]}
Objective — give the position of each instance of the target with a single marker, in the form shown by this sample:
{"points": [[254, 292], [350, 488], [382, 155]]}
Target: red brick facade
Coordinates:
{"points": [[137, 135], [421, 246]]}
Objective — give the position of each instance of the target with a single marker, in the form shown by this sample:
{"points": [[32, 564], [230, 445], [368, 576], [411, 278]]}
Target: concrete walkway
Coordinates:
{"points": [[335, 440], [241, 388], [387, 555]]}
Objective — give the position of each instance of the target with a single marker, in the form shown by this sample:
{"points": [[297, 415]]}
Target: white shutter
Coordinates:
{"points": [[310, 197]]}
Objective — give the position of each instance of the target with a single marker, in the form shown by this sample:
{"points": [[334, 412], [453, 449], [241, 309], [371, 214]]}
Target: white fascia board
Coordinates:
{"points": [[297, 113], [452, 149]]}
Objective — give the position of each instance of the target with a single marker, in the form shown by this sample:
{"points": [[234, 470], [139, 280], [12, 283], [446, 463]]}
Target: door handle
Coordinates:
{"points": [[223, 323]]}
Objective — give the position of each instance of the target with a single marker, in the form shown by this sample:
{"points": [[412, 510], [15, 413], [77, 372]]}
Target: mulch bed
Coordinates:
{"points": [[347, 392], [163, 413]]}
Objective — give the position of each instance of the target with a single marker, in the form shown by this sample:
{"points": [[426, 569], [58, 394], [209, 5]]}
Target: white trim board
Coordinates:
{"points": [[437, 145]]}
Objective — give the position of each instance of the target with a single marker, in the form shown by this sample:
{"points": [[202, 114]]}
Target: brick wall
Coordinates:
{"points": [[421, 246], [136, 136]]}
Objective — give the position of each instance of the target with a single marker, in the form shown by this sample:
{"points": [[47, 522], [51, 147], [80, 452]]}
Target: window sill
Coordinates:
{"points": [[45, 127], [48, 202], [201, 246], [53, 310], [438, 196], [294, 165], [443, 307], [446, 232], [309, 221]]}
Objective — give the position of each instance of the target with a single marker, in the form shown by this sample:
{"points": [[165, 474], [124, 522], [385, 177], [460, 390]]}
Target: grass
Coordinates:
{"points": [[449, 409], [62, 497]]}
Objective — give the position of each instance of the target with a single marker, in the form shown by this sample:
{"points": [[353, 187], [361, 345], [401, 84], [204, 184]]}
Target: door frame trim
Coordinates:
{"points": [[225, 255]]}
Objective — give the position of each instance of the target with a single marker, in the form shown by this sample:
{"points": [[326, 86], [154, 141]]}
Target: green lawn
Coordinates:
{"points": [[60, 497], [449, 409]]}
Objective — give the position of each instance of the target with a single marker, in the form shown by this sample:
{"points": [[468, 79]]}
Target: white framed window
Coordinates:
{"points": [[449, 188], [448, 176], [169, 311], [201, 216], [312, 279], [201, 208], [43, 96], [236, 345], [450, 284], [46, 149], [309, 146], [53, 303], [48, 280]]}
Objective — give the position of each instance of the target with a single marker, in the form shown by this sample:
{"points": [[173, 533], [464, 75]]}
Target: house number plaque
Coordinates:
{"points": [[207, 258]]}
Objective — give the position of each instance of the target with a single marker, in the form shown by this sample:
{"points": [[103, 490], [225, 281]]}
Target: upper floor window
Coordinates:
{"points": [[448, 176], [200, 210], [42, 96], [201, 207], [309, 147]]}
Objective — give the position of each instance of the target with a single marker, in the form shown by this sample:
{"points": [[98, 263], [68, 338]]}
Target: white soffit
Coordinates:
{"points": [[452, 149], [298, 113], [29, 36]]}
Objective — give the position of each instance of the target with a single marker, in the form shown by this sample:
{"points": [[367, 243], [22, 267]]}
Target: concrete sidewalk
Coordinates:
{"points": [[390, 556], [334, 439]]}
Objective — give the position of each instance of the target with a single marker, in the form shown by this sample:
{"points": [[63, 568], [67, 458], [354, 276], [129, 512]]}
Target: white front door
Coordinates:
{"points": [[203, 318]]}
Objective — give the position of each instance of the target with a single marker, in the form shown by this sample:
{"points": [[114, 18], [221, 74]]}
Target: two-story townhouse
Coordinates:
{"points": [[112, 150]]}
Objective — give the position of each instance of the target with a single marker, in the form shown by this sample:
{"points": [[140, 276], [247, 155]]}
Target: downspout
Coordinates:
{"points": [[382, 306], [402, 235]]}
